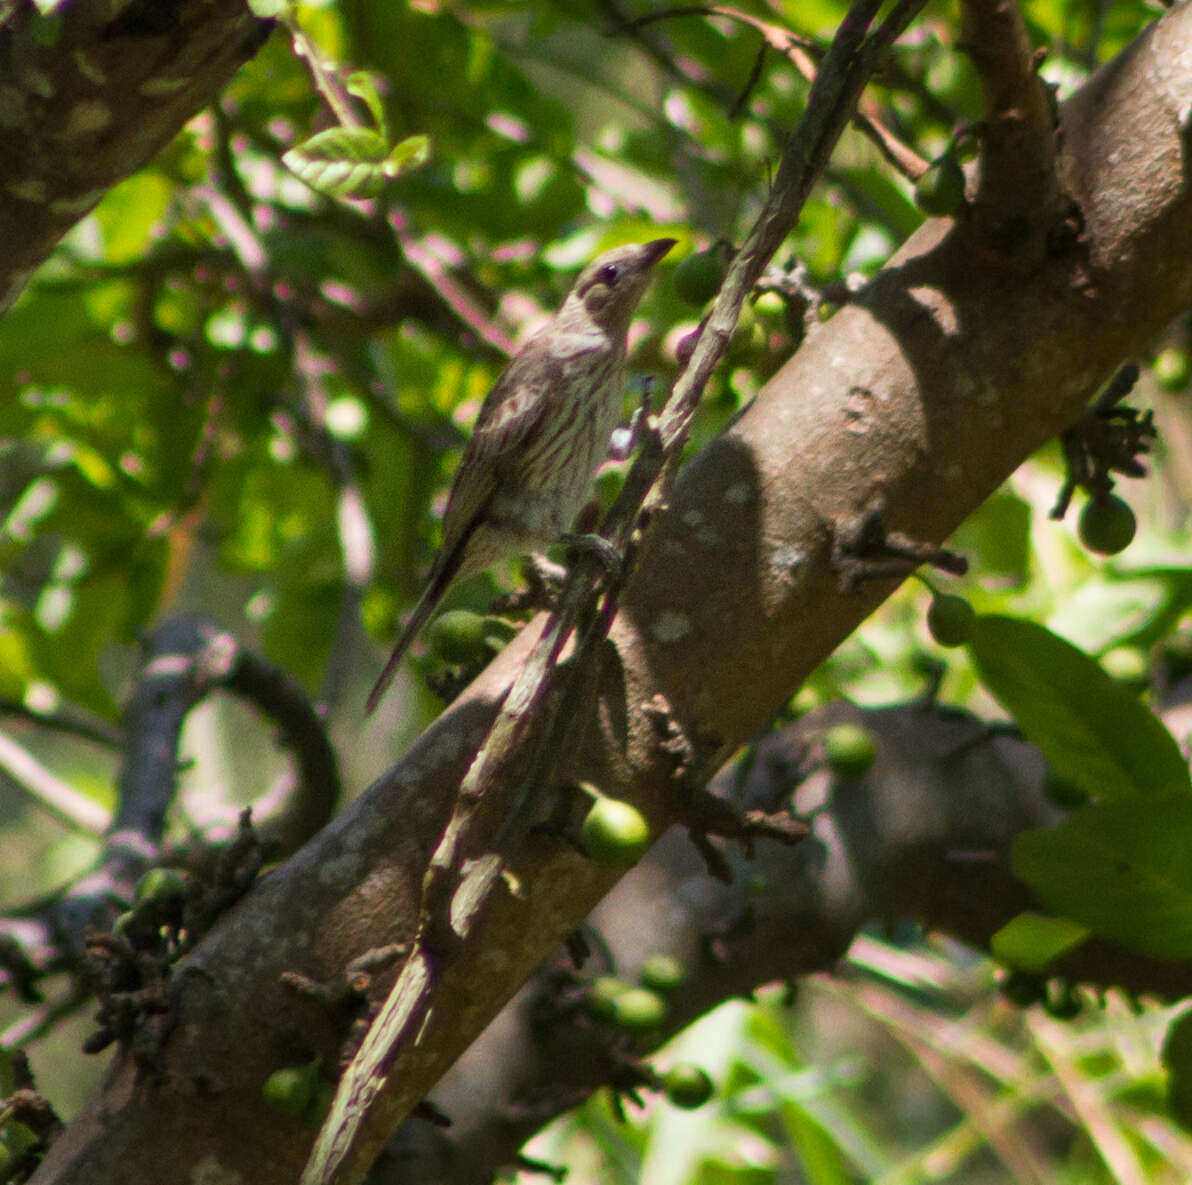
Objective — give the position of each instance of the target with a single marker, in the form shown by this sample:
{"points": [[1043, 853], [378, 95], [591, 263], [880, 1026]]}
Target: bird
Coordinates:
{"points": [[541, 432]]}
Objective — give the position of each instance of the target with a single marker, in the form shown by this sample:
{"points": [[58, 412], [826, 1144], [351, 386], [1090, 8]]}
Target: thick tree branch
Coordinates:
{"points": [[90, 93], [931, 389], [1018, 180], [924, 836]]}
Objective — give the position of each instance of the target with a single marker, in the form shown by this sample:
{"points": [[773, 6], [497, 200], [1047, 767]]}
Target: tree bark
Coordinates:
{"points": [[90, 93]]}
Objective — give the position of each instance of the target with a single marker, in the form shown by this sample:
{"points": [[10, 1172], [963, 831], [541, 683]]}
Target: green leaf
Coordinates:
{"points": [[411, 153], [1123, 869], [341, 162], [1032, 942], [1092, 731], [364, 87], [999, 534], [266, 10], [1177, 1058]]}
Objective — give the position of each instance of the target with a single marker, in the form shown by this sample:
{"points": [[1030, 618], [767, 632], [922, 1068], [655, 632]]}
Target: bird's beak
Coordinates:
{"points": [[654, 251]]}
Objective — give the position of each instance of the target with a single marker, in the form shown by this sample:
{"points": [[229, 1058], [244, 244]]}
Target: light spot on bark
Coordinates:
{"points": [[11, 108], [32, 189], [786, 558], [740, 493], [89, 68], [38, 83], [16, 286], [671, 626], [210, 1171], [79, 204], [342, 870], [163, 86], [86, 118]]}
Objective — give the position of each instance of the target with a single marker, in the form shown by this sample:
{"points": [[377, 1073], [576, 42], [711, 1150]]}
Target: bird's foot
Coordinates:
{"points": [[606, 553]]}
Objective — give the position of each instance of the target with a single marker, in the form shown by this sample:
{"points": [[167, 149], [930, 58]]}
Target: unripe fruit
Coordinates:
{"points": [[291, 1089], [159, 885], [698, 277], [638, 1009], [1128, 665], [770, 304], [1106, 525], [614, 834], [950, 620], [319, 1105], [603, 993], [457, 637], [608, 485], [662, 973], [687, 1086], [849, 750], [124, 922], [940, 191], [1172, 369]]}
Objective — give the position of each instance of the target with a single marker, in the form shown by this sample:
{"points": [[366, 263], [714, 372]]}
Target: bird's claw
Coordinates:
{"points": [[606, 553]]}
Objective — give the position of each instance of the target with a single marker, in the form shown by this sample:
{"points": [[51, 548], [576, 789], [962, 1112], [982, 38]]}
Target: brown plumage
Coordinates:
{"points": [[541, 432]]}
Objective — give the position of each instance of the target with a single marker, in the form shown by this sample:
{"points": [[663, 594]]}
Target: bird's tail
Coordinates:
{"points": [[432, 594]]}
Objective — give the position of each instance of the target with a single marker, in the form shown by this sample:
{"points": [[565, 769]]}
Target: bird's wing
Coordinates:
{"points": [[516, 404], [511, 413]]}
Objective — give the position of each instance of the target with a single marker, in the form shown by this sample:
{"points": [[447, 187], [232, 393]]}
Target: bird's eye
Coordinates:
{"points": [[609, 274]]}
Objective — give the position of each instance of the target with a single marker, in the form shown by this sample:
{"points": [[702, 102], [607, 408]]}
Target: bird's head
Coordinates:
{"points": [[609, 288]]}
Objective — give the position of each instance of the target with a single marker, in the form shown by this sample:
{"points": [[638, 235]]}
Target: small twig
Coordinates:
{"points": [[97, 731], [49, 791], [325, 83], [452, 294]]}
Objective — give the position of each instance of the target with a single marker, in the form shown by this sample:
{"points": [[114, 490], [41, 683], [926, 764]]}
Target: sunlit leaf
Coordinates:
{"points": [[1093, 732]]}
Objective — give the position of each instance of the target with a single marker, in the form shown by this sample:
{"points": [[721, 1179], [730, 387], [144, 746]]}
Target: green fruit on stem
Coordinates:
{"points": [[940, 191], [603, 993], [1172, 369], [662, 973], [698, 277], [124, 922], [687, 1086], [638, 1009], [950, 620], [1106, 525], [1128, 665], [849, 750], [159, 885], [290, 1089], [770, 304], [319, 1106], [458, 637], [614, 834]]}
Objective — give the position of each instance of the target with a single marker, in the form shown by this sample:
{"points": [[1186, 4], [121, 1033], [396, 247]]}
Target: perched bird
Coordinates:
{"points": [[541, 432]]}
